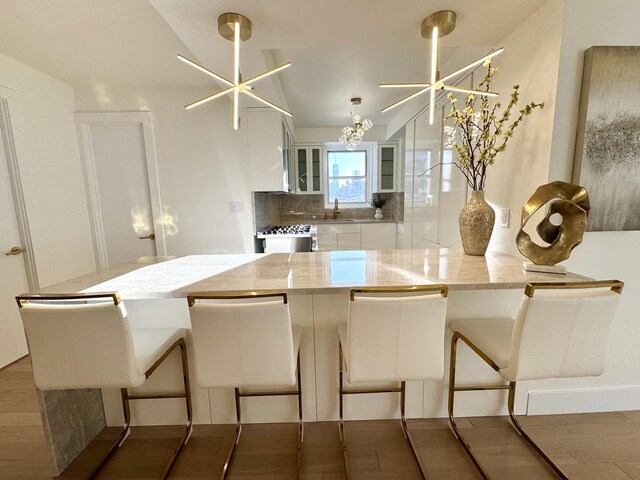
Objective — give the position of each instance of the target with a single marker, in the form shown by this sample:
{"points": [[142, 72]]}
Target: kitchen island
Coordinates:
{"points": [[318, 285]]}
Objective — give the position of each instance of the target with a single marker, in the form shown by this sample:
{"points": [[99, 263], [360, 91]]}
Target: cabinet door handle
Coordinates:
{"points": [[15, 251], [151, 236]]}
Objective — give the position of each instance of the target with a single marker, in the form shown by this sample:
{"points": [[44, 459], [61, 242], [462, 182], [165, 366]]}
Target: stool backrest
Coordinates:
{"points": [[396, 334], [242, 342], [79, 341], [563, 331]]}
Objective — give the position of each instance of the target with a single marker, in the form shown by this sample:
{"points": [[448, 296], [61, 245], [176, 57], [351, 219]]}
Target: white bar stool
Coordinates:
{"points": [[392, 334], [562, 332], [86, 341], [246, 340]]}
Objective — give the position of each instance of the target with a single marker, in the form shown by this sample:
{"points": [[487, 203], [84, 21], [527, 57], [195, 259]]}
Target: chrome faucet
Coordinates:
{"points": [[336, 210]]}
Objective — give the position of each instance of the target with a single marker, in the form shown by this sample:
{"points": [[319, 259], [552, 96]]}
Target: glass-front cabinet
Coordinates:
{"points": [[387, 167], [309, 169]]}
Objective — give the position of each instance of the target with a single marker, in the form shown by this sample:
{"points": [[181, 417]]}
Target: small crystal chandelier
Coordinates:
{"points": [[352, 135]]}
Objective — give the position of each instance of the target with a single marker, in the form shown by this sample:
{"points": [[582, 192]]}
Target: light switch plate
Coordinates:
{"points": [[236, 207], [505, 216]]}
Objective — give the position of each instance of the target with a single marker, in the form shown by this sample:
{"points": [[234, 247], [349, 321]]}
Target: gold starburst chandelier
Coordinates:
{"points": [[237, 28], [435, 26]]}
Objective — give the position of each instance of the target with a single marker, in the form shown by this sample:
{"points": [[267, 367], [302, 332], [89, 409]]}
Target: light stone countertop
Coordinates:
{"points": [[309, 273]]}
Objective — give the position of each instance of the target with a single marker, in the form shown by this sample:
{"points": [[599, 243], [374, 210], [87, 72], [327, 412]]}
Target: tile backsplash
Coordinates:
{"points": [[276, 208]]}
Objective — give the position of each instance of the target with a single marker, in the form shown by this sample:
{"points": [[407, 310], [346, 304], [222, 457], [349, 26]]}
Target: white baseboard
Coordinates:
{"points": [[583, 401]]}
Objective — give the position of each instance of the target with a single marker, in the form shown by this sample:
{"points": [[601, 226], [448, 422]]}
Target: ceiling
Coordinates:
{"points": [[88, 42], [319, 88], [339, 48]]}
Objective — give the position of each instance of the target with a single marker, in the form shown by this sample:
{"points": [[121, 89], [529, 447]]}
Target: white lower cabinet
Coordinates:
{"points": [[356, 236], [327, 241], [349, 241], [378, 236]]}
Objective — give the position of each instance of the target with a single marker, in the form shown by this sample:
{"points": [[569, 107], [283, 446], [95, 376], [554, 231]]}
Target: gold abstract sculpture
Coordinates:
{"points": [[568, 200]]}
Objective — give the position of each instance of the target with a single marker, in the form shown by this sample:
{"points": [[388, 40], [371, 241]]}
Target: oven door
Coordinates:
{"points": [[284, 244]]}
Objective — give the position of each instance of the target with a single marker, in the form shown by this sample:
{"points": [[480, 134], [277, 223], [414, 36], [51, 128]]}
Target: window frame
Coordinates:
{"points": [[370, 157]]}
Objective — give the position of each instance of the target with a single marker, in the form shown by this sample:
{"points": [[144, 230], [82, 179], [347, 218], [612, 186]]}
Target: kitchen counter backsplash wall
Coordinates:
{"points": [[266, 209], [273, 208]]}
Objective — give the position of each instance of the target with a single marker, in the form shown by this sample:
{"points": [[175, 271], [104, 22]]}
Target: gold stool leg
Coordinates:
{"points": [[511, 401], [300, 423], [341, 425], [126, 430], [124, 394], [452, 422], [232, 450], [187, 397], [405, 431], [515, 424], [238, 396], [403, 421]]}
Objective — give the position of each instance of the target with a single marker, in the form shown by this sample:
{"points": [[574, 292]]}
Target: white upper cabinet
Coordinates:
{"points": [[271, 151], [387, 166], [309, 172]]}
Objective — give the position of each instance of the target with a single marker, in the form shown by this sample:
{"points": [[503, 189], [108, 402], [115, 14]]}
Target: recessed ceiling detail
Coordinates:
{"points": [[237, 28], [435, 26]]}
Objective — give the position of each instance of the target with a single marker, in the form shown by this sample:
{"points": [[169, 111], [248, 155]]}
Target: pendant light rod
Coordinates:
{"points": [[434, 72], [236, 73]]}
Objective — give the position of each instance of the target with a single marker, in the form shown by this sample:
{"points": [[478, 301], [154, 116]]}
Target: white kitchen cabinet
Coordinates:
{"points": [[327, 242], [271, 151], [338, 228], [309, 160], [378, 236], [356, 236], [387, 167], [338, 236], [349, 241]]}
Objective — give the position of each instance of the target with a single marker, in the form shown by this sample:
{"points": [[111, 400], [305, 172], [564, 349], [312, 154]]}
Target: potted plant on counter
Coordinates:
{"points": [[479, 133], [378, 201]]}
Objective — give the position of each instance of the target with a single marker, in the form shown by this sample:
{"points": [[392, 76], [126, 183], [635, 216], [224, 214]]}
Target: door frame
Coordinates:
{"points": [[9, 102], [84, 122]]}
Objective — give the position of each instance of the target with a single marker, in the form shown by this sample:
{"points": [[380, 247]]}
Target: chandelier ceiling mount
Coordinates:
{"points": [[445, 20]]}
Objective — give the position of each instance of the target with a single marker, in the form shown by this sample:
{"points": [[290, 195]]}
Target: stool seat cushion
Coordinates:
{"points": [[491, 335], [150, 344]]}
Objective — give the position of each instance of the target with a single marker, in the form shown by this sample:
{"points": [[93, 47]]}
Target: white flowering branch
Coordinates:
{"points": [[481, 135]]}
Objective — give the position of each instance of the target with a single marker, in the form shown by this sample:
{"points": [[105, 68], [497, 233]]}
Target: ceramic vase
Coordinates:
{"points": [[476, 222], [378, 214]]}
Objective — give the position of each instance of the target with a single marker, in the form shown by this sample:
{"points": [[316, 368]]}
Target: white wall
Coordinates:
{"points": [[202, 163], [602, 254], [49, 161], [531, 59]]}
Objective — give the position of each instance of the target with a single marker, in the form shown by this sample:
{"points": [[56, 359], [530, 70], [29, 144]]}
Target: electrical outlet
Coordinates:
{"points": [[505, 216]]}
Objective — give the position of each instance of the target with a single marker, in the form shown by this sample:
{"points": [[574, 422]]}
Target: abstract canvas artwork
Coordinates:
{"points": [[607, 161]]}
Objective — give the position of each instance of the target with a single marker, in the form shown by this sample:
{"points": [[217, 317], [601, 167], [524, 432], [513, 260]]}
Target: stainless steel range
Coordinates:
{"points": [[288, 238]]}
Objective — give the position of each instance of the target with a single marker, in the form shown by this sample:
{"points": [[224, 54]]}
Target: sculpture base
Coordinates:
{"points": [[532, 267]]}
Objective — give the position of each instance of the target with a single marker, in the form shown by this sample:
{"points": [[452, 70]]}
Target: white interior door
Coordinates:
{"points": [[13, 275], [122, 182]]}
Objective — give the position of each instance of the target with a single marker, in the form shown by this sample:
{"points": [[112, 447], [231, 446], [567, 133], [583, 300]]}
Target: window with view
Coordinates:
{"points": [[347, 176]]}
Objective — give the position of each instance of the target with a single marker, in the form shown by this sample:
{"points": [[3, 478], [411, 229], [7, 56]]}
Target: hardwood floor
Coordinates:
{"points": [[598, 446]]}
